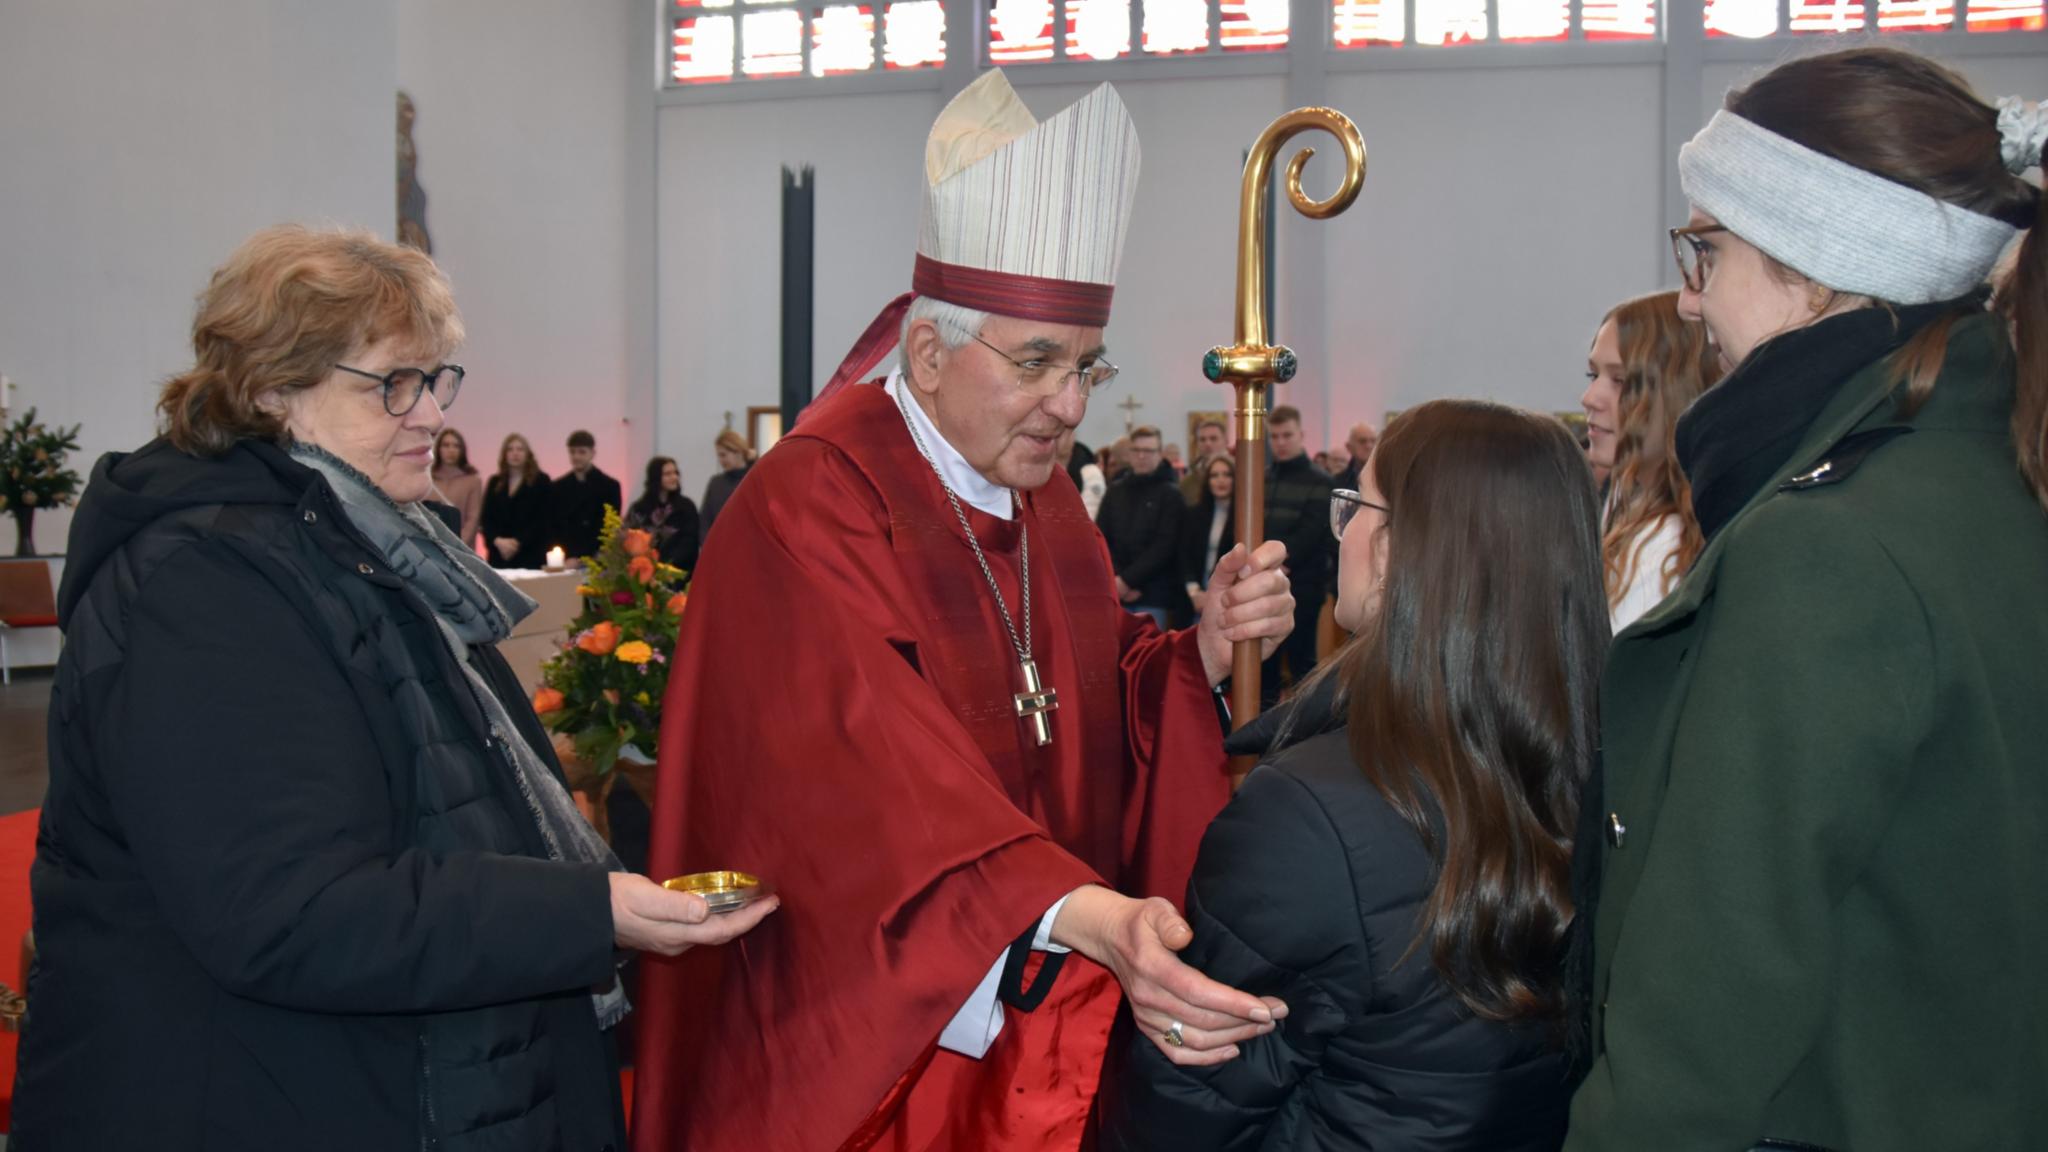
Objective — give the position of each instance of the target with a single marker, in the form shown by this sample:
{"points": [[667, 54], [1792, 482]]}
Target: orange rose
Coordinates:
{"points": [[547, 700], [676, 602], [601, 639], [637, 542], [642, 569], [612, 694]]}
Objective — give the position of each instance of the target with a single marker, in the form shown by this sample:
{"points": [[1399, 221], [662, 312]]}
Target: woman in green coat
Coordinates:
{"points": [[1822, 852]]}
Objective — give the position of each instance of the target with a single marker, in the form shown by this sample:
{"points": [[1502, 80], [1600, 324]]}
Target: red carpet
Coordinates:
{"points": [[17, 852]]}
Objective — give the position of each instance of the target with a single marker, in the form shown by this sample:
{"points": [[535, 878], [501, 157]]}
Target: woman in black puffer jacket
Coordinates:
{"points": [[1398, 868], [307, 876]]}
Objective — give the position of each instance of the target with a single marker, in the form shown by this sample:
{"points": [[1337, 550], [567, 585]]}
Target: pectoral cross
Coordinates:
{"points": [[1034, 702]]}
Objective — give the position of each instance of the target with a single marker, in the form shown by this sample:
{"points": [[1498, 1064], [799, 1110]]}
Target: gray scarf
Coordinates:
{"points": [[474, 605]]}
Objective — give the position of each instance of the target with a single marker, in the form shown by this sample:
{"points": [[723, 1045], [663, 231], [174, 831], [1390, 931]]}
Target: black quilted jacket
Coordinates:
{"points": [[284, 895], [1308, 888]]}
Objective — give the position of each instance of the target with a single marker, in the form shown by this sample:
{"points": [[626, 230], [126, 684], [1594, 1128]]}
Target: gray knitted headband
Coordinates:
{"points": [[1835, 223]]}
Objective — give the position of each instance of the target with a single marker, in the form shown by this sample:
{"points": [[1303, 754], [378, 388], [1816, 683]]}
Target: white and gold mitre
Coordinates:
{"points": [[1027, 219]]}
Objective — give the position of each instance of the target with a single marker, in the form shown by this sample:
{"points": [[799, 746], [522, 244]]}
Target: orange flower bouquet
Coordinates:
{"points": [[601, 692]]}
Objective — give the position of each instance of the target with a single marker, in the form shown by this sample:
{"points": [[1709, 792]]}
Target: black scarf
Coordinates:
{"points": [[1738, 434]]}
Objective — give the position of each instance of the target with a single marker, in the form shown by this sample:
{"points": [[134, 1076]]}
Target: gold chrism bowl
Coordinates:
{"points": [[723, 891]]}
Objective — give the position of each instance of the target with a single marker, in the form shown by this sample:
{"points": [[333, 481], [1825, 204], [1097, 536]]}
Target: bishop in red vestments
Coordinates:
{"points": [[906, 695]]}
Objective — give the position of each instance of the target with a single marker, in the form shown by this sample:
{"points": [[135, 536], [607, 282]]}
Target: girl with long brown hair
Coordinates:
{"points": [[1398, 869], [1646, 366], [1819, 855]]}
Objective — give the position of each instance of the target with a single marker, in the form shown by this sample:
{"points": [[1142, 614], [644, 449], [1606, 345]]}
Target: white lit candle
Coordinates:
{"points": [[557, 559]]}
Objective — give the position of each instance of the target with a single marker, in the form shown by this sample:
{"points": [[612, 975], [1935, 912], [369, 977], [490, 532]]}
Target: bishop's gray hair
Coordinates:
{"points": [[956, 326]]}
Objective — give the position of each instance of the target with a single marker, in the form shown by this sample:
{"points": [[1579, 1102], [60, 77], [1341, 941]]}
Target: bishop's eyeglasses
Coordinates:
{"points": [[403, 387], [1695, 256], [1041, 377]]}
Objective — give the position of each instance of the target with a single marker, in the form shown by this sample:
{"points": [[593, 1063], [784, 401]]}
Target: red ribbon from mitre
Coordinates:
{"points": [[1004, 293]]}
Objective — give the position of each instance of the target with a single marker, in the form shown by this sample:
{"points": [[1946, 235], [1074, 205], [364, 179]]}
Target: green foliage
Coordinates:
{"points": [[32, 472], [604, 687]]}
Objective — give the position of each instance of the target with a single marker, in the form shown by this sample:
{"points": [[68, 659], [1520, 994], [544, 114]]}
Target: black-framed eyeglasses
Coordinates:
{"points": [[1037, 377], [1695, 256], [403, 387], [1344, 504]]}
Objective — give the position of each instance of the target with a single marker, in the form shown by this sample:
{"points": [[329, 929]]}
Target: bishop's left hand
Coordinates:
{"points": [[1249, 599], [1192, 1019]]}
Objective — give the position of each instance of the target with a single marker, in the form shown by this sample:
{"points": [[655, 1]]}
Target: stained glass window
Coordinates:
{"points": [[2007, 16], [1915, 15], [914, 34], [1826, 15], [1527, 20], [1098, 29], [1361, 22], [1748, 19], [1254, 25], [1618, 19], [702, 49], [1449, 21], [842, 40], [1176, 26], [1019, 31]]}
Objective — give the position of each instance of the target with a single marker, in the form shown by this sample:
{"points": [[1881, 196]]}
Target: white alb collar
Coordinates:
{"points": [[966, 483]]}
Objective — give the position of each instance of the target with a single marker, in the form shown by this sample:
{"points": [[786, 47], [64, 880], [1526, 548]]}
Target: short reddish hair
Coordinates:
{"points": [[286, 307]]}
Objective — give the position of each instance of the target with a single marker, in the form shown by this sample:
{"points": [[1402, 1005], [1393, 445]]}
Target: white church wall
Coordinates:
{"points": [[522, 132], [1504, 212], [143, 142]]}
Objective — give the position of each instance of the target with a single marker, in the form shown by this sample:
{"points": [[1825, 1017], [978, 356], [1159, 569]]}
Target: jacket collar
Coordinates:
{"points": [[1865, 403]]}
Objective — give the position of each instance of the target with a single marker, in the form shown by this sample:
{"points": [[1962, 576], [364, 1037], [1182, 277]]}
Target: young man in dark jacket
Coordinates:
{"points": [[1140, 518], [1298, 513], [580, 496]]}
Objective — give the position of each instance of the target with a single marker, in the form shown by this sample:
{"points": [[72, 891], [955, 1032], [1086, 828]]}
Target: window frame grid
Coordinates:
{"points": [[1954, 41]]}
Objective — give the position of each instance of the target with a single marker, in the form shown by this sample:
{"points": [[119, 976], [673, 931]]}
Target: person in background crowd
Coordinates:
{"points": [[1140, 519], [734, 458], [1208, 530], [580, 497], [459, 483], [1339, 462], [514, 521], [1398, 869], [1084, 471], [1322, 462], [1819, 851], [307, 875], [1211, 441], [1170, 453], [1297, 512], [1359, 446], [1646, 366], [670, 516], [1116, 459]]}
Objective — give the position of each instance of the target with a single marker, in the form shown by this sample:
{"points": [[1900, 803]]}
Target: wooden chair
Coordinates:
{"points": [[27, 600]]}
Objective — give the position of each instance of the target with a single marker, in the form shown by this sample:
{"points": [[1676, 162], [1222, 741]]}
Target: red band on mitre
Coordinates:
{"points": [[1009, 294]]}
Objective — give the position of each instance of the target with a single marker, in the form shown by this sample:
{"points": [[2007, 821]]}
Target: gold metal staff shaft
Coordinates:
{"points": [[1254, 364]]}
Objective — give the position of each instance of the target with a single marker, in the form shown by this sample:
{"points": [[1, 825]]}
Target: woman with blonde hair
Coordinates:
{"points": [[734, 460], [1646, 366]]}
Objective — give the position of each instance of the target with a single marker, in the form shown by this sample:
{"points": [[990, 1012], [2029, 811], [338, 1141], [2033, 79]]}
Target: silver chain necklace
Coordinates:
{"points": [[1035, 701]]}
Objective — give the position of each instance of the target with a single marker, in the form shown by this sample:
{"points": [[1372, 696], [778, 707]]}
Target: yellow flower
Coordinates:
{"points": [[585, 590], [635, 652], [642, 699]]}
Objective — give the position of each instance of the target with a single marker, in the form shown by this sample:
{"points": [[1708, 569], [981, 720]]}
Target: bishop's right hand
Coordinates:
{"points": [[649, 918], [1136, 940]]}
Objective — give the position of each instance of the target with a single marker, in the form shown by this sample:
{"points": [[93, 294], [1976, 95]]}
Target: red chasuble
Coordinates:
{"points": [[841, 722]]}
